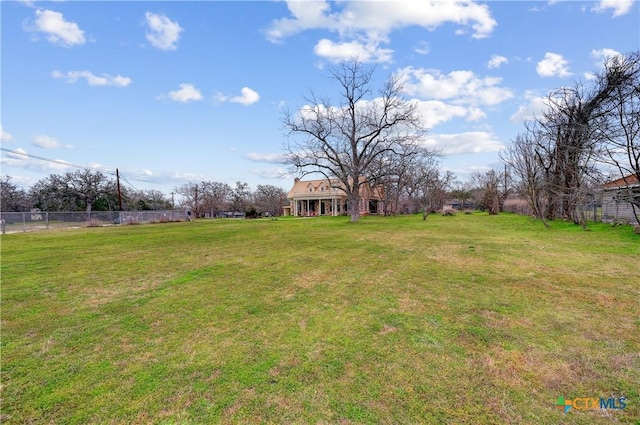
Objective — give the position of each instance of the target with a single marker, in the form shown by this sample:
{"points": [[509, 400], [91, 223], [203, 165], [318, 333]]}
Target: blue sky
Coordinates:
{"points": [[176, 92]]}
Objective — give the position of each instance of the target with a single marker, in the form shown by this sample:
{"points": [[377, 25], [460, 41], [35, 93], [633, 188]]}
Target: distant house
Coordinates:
{"points": [[616, 196], [310, 198]]}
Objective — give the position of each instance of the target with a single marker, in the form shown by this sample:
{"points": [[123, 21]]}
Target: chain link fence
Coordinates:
{"points": [[13, 222]]}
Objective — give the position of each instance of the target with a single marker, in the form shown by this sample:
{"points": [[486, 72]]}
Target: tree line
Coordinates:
{"points": [[213, 199], [80, 190], [87, 190]]}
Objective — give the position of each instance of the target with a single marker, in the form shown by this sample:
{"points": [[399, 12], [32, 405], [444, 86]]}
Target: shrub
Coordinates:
{"points": [[252, 213]]}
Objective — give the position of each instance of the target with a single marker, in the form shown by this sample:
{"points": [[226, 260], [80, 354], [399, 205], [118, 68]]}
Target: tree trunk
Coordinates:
{"points": [[88, 210], [354, 204]]}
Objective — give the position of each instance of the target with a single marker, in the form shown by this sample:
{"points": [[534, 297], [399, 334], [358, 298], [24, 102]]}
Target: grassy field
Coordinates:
{"points": [[393, 320]]}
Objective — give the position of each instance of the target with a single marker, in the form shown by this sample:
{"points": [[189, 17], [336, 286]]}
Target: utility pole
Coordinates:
{"points": [[173, 205], [119, 193]]}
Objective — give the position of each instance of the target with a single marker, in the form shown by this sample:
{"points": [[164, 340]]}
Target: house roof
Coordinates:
{"points": [[630, 180], [314, 188], [325, 188]]}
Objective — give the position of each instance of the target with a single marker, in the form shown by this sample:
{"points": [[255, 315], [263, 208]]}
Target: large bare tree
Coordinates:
{"points": [[583, 127], [346, 141], [619, 125]]}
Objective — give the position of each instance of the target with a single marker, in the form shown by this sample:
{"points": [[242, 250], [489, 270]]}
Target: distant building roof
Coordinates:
{"points": [[630, 180]]}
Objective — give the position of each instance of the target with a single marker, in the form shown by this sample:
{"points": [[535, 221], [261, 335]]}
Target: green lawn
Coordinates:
{"points": [[392, 320]]}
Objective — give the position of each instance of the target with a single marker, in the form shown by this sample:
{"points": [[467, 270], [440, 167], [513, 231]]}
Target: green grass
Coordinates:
{"points": [[465, 319]]}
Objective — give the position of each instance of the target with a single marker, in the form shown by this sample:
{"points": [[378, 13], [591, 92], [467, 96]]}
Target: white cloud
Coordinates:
{"points": [[306, 15], [93, 80], [422, 48], [461, 87], [163, 32], [601, 56], [382, 17], [271, 173], [28, 3], [464, 172], [435, 112], [48, 142], [472, 142], [534, 108], [4, 136], [247, 97], [186, 93], [432, 112], [274, 158], [620, 7], [363, 25], [496, 61], [553, 65], [59, 31], [336, 52]]}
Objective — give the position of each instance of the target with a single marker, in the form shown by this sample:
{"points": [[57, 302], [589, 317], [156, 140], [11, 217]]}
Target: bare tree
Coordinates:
{"points": [[240, 197], [269, 199], [397, 173], [619, 124], [569, 138], [520, 157], [427, 188], [493, 189], [215, 197], [343, 141], [189, 193]]}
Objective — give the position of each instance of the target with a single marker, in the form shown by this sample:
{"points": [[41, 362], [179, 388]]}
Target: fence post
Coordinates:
{"points": [[24, 222], [46, 215]]}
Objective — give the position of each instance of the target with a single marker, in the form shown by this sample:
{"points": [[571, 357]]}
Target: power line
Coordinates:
{"points": [[82, 167], [127, 181], [57, 161]]}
